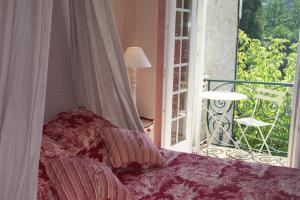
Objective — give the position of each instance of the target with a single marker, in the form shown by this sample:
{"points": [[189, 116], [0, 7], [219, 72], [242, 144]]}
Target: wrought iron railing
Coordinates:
{"points": [[278, 140]]}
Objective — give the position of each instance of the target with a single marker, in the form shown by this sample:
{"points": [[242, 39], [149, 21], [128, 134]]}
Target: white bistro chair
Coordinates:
{"points": [[274, 97]]}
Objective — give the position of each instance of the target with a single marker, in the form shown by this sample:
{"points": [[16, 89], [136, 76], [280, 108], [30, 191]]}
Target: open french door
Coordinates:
{"points": [[179, 76]]}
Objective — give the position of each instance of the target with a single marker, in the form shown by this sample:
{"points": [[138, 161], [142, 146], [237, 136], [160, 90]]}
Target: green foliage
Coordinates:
{"points": [[291, 64], [257, 62], [260, 63], [269, 19], [267, 53], [281, 19]]}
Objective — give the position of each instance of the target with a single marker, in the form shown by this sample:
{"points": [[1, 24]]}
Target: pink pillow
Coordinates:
{"points": [[44, 187], [130, 148], [51, 149], [44, 191], [82, 179], [76, 130], [97, 152]]}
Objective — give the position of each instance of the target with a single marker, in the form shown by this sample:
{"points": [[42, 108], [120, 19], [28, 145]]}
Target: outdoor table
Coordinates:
{"points": [[229, 98]]}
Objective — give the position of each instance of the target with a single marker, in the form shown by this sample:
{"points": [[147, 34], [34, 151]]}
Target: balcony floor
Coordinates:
{"points": [[229, 153]]}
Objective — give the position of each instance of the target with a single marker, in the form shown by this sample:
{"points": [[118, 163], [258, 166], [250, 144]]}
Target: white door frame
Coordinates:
{"points": [[199, 72], [186, 145]]}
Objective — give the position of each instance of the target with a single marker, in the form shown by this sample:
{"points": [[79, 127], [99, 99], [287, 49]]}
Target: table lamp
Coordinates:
{"points": [[135, 58]]}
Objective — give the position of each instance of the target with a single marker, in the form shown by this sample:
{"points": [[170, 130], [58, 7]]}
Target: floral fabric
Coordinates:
{"points": [[191, 177], [97, 152], [76, 130], [49, 149], [44, 187]]}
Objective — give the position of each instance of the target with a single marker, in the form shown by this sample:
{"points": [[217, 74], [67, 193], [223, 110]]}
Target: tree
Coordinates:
{"points": [[281, 19], [257, 62], [267, 53], [290, 69], [251, 21]]}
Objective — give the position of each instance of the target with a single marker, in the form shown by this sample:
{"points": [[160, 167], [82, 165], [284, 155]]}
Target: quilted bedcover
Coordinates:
{"points": [[189, 176]]}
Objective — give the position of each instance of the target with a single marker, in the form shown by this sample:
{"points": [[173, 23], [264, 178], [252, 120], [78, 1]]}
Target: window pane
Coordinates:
{"points": [[184, 77], [187, 4], [174, 132], [178, 24], [177, 52], [182, 130], [185, 51], [186, 22], [175, 106], [183, 103], [179, 4], [176, 79]]}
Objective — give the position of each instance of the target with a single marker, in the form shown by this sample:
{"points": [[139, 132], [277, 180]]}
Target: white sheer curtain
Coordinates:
{"points": [[100, 79], [100, 75], [294, 144], [24, 46]]}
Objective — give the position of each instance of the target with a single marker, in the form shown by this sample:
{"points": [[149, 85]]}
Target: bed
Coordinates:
{"points": [[190, 176], [168, 175]]}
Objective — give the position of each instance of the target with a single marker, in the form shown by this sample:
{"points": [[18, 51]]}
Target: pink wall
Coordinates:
{"points": [[146, 37], [142, 23], [137, 25], [137, 22], [124, 14], [160, 71]]}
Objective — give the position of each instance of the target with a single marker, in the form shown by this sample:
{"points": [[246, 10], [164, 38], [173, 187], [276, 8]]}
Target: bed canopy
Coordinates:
{"points": [[35, 38]]}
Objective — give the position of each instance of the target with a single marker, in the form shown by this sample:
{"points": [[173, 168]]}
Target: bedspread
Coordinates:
{"points": [[188, 176]]}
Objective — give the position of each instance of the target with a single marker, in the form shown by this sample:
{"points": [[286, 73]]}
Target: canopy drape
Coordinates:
{"points": [[294, 144], [24, 50], [100, 80], [100, 75]]}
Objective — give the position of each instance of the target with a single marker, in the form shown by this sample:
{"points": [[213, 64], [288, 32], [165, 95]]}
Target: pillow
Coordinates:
{"points": [[49, 149], [96, 152], [44, 191], [82, 179], [44, 187], [128, 148], [81, 113], [76, 130]]}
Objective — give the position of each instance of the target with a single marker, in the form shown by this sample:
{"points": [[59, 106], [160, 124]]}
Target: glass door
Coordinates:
{"points": [[179, 67]]}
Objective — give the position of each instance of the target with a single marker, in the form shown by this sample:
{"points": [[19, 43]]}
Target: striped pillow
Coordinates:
{"points": [[82, 178], [127, 148]]}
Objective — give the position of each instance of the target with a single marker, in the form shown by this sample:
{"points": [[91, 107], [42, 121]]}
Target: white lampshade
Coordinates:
{"points": [[136, 58]]}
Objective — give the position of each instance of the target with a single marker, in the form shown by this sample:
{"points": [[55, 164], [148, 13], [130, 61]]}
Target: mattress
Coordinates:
{"points": [[190, 176]]}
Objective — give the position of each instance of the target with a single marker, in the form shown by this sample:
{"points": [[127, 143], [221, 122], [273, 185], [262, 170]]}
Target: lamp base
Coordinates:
{"points": [[133, 81]]}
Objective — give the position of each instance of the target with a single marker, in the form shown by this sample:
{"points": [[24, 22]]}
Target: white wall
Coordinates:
{"points": [[221, 38]]}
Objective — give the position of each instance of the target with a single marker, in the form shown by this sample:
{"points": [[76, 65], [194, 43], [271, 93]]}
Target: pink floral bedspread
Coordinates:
{"points": [[187, 177]]}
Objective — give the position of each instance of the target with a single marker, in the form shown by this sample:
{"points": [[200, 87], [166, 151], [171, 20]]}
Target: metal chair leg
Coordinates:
{"points": [[264, 142], [244, 136]]}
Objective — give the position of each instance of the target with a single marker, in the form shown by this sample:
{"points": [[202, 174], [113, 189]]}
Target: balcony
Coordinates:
{"points": [[228, 133]]}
